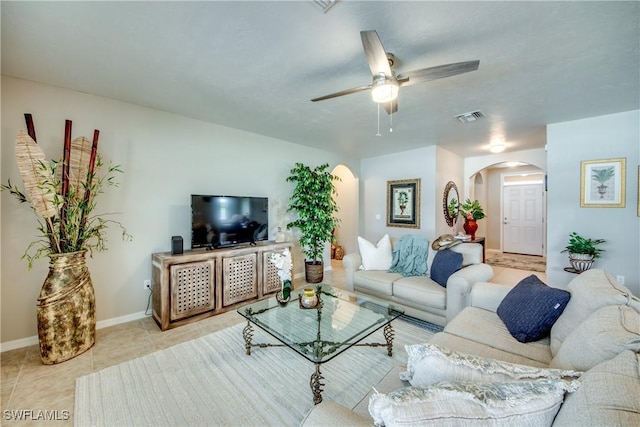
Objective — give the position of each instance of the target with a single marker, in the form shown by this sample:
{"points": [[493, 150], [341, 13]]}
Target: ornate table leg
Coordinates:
{"points": [[247, 334], [388, 335], [316, 385]]}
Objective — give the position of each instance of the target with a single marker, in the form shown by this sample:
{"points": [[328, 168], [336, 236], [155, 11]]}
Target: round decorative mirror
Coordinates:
{"points": [[450, 203]]}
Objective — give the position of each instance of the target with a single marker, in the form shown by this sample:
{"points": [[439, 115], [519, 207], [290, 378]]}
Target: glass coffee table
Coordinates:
{"points": [[340, 321]]}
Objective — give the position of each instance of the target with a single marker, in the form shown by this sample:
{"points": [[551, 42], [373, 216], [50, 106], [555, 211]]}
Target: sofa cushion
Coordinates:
{"points": [[605, 334], [485, 327], [444, 264], [421, 291], [375, 257], [430, 364], [473, 347], [376, 281], [531, 308], [460, 403], [590, 290], [608, 395]]}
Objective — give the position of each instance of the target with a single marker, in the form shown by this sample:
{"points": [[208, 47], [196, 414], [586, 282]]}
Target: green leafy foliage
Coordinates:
{"points": [[603, 175], [81, 229], [472, 210], [581, 245], [286, 289], [313, 201]]}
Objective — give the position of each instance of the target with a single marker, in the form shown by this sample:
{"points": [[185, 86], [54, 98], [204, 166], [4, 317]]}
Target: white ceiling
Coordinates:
{"points": [[256, 65]]}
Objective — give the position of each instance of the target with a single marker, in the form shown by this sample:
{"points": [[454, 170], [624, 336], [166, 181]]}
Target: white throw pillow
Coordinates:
{"points": [[430, 364], [516, 403], [375, 257]]}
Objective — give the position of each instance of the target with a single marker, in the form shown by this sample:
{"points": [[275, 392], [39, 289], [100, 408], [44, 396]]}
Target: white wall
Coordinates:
{"points": [[376, 171], [610, 136], [165, 158], [347, 199], [449, 167]]}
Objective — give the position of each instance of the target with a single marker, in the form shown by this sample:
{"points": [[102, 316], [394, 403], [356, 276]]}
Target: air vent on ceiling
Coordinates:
{"points": [[325, 5], [470, 117]]}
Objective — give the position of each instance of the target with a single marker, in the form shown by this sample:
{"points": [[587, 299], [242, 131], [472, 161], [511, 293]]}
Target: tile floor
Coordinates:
{"points": [[48, 391]]}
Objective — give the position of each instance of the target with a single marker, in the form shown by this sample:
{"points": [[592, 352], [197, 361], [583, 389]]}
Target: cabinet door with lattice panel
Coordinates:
{"points": [[270, 279], [239, 278], [192, 288]]}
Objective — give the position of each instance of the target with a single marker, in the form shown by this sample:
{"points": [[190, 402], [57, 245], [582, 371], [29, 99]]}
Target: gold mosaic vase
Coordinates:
{"points": [[66, 309]]}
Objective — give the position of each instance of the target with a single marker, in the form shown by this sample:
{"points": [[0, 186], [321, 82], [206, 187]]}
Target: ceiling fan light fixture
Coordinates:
{"points": [[384, 89]]}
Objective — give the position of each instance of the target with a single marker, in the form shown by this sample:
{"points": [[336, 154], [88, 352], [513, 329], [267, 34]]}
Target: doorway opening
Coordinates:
{"points": [[513, 196]]}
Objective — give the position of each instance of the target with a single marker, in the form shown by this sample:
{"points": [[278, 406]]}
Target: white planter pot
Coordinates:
{"points": [[581, 262]]}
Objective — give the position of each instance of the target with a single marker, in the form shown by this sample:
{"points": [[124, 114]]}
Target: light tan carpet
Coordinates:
{"points": [[519, 262], [211, 381]]}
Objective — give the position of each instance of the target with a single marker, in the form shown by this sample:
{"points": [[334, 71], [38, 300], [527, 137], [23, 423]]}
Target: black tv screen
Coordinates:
{"points": [[223, 221]]}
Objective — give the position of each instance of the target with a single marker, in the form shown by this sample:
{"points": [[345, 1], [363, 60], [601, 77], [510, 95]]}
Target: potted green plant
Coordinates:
{"points": [[582, 251], [312, 200], [471, 211], [63, 196]]}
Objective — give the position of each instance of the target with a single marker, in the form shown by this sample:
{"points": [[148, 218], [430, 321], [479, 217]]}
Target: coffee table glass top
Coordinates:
{"points": [[341, 320]]}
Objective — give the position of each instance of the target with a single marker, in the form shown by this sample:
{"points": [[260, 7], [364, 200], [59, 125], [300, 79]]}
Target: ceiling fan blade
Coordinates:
{"points": [[342, 93], [391, 107], [376, 55], [439, 72]]}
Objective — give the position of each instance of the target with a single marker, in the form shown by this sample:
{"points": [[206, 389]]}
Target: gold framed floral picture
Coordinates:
{"points": [[403, 203], [602, 183]]}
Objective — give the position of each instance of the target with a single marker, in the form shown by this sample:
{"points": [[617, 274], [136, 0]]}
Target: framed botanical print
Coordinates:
{"points": [[403, 203], [602, 183]]}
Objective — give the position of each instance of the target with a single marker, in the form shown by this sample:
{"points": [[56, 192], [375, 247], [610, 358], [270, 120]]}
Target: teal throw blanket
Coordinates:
{"points": [[410, 256]]}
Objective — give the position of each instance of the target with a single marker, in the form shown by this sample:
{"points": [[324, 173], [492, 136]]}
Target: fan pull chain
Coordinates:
{"points": [[378, 134], [390, 116]]}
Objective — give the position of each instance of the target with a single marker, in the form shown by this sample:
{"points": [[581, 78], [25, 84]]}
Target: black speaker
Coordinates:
{"points": [[176, 245]]}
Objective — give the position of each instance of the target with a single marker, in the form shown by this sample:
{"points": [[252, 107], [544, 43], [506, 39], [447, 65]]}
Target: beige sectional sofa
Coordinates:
{"points": [[597, 334], [420, 296]]}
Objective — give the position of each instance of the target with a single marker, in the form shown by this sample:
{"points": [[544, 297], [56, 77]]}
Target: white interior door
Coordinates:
{"points": [[523, 219]]}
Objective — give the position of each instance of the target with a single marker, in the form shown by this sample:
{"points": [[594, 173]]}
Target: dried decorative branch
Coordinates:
{"points": [[67, 224], [31, 158]]}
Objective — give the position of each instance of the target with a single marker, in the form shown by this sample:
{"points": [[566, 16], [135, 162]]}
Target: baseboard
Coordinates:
{"points": [[29, 341]]}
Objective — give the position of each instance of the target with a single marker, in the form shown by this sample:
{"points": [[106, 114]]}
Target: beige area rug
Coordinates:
{"points": [[211, 381], [519, 262]]}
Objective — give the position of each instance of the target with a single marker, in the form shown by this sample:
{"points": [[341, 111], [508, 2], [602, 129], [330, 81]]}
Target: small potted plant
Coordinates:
{"points": [[283, 263], [582, 251], [471, 211]]}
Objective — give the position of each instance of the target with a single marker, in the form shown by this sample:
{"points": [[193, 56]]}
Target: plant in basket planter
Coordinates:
{"points": [[583, 251], [471, 211], [312, 200], [63, 196], [282, 261]]}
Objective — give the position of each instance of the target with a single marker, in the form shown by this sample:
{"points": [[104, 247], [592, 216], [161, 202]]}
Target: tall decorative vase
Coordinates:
{"points": [[66, 309], [470, 227]]}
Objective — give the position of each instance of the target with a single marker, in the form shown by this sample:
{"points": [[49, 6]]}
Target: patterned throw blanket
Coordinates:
{"points": [[410, 256]]}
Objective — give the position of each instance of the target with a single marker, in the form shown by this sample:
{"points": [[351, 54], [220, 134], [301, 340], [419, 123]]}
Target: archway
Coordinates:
{"points": [[488, 186], [348, 201]]}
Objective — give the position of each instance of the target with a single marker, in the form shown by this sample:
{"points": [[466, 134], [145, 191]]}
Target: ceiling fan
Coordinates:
{"points": [[386, 83]]}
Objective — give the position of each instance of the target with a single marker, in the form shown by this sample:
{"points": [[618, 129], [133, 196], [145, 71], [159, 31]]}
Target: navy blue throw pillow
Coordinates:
{"points": [[531, 308], [444, 264]]}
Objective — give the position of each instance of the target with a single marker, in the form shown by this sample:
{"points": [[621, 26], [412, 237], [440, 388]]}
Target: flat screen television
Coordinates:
{"points": [[224, 221]]}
